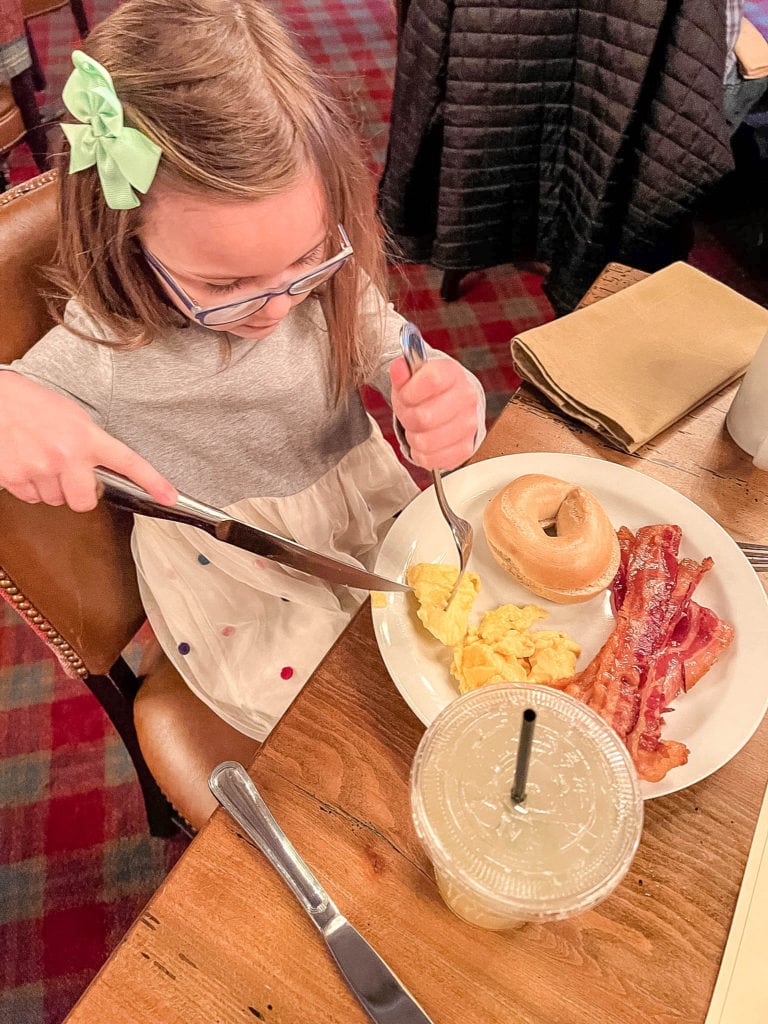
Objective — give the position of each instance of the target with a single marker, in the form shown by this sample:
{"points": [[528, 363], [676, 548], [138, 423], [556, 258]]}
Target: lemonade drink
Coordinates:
{"points": [[562, 850]]}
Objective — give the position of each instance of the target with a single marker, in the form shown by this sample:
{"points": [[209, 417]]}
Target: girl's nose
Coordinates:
{"points": [[277, 307]]}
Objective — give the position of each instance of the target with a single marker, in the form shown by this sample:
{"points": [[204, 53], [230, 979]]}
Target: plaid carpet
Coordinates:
{"points": [[76, 863]]}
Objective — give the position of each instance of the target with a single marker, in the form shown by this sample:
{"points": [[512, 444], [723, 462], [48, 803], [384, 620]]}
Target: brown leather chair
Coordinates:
{"points": [[12, 128], [11, 124], [71, 575], [20, 116], [19, 110]]}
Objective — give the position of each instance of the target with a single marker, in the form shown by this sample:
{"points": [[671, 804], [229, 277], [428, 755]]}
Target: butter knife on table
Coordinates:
{"points": [[378, 990], [123, 493]]}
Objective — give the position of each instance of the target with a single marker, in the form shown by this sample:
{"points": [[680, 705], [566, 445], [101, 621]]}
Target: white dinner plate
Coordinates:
{"points": [[714, 720]]}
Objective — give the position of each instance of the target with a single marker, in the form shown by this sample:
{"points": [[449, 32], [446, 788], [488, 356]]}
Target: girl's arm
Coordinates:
{"points": [[53, 405], [50, 445]]}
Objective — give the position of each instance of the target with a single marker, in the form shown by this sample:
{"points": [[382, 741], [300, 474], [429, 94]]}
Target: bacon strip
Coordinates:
{"points": [[652, 756], [699, 639], [662, 643]]}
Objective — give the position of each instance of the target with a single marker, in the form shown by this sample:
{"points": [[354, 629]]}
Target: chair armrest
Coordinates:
{"points": [[75, 579], [28, 228]]}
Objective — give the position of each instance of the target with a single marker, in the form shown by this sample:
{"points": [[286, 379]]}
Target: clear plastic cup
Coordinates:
{"points": [[558, 853]]}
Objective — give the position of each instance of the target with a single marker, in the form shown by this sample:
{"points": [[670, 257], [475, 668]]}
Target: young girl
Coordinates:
{"points": [[223, 265]]}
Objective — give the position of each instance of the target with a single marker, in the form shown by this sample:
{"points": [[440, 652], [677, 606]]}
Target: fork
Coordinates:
{"points": [[415, 354], [756, 555]]}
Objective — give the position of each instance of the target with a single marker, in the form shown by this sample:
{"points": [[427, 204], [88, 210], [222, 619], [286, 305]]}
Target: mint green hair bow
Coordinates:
{"points": [[124, 157]]}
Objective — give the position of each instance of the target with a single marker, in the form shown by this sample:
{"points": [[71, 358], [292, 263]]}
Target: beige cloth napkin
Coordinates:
{"points": [[635, 362], [741, 990], [751, 51]]}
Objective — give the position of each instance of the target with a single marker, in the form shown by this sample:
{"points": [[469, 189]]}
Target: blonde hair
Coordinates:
{"points": [[238, 114]]}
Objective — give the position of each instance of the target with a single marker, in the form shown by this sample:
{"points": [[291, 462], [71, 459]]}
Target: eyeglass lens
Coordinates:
{"points": [[239, 311]]}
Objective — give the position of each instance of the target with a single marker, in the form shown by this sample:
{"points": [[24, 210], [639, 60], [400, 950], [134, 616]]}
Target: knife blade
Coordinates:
{"points": [[376, 987], [123, 493]]}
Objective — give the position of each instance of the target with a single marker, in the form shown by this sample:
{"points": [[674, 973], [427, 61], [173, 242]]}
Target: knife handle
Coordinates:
{"points": [[124, 493], [233, 788]]}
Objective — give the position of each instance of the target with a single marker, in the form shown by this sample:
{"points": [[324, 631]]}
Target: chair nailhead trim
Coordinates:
{"points": [[28, 610], [31, 186]]}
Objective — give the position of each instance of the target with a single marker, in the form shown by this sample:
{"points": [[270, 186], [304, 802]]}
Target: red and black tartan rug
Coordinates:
{"points": [[76, 862]]}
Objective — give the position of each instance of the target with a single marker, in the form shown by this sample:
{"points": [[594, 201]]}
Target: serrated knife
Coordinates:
{"points": [[378, 990], [123, 493]]}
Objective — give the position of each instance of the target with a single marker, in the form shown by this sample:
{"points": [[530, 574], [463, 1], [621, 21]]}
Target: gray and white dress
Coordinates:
{"points": [[258, 435]]}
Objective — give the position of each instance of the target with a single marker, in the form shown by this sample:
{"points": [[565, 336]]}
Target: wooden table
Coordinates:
{"points": [[223, 941]]}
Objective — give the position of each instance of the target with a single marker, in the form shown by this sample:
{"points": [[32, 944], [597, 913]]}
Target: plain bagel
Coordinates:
{"points": [[574, 564]]}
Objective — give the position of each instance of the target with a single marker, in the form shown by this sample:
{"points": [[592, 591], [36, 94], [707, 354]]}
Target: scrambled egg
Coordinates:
{"points": [[503, 648], [378, 599], [432, 584]]}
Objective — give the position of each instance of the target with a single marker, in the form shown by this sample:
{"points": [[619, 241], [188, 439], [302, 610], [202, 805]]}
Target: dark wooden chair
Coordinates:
{"points": [[36, 9], [72, 578], [22, 89], [18, 101]]}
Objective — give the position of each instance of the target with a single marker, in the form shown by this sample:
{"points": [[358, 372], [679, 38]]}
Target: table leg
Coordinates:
{"points": [[81, 19]]}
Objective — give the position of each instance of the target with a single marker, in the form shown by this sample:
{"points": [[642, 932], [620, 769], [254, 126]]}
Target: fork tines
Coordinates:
{"points": [[756, 555], [754, 549]]}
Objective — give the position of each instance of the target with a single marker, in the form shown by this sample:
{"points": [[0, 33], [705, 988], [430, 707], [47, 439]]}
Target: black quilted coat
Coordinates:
{"points": [[571, 132]]}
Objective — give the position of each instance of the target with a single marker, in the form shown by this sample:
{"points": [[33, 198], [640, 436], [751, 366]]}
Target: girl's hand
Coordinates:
{"points": [[49, 446], [438, 410]]}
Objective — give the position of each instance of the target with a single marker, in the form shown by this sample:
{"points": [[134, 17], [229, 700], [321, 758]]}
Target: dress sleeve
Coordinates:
{"points": [[71, 365], [381, 325]]}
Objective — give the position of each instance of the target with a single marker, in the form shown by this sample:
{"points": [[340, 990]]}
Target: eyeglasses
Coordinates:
{"points": [[218, 316]]}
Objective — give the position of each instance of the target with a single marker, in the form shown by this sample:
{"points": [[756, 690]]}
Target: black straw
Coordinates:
{"points": [[523, 755]]}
